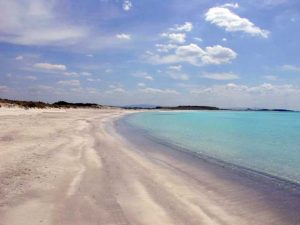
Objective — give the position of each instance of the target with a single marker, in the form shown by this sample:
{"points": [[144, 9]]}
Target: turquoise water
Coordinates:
{"points": [[264, 141]]}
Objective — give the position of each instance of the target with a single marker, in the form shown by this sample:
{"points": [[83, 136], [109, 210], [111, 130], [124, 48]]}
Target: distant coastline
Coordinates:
{"points": [[202, 107], [42, 105], [64, 104]]}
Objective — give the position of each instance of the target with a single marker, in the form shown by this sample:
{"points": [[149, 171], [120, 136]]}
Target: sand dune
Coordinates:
{"points": [[71, 167]]}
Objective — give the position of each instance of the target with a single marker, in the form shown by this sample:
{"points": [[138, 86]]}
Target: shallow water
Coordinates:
{"points": [[268, 142]]}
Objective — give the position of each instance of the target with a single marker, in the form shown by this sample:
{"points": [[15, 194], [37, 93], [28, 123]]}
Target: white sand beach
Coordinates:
{"points": [[71, 167]]}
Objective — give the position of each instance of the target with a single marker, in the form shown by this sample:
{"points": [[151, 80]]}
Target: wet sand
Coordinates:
{"points": [[80, 167]]}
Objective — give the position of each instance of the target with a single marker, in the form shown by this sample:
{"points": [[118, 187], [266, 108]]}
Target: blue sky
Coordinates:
{"points": [[220, 53]]}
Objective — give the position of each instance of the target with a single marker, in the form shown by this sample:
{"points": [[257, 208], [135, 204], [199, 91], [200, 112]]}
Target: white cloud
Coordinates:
{"points": [[69, 82], [48, 66], [143, 75], [264, 95], [19, 57], [123, 36], [93, 80], [175, 73], [221, 76], [127, 5], [224, 39], [290, 68], [72, 74], [195, 55], [141, 85], [179, 76], [86, 74], [36, 23], [270, 77], [231, 5], [198, 39], [224, 18], [117, 90], [90, 55], [148, 78], [176, 67], [218, 55], [158, 91], [165, 47], [186, 27], [262, 89], [92, 91], [112, 86], [175, 37]]}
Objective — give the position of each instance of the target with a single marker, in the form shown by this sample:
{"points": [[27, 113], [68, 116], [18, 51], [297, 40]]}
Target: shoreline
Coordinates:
{"points": [[75, 167], [261, 176], [285, 194]]}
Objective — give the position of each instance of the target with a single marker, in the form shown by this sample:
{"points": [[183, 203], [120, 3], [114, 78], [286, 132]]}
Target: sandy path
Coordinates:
{"points": [[71, 167]]}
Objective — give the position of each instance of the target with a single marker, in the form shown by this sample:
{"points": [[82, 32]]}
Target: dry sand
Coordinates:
{"points": [[70, 167]]}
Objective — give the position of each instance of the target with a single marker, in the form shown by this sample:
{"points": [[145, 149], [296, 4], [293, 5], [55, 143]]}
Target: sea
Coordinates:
{"points": [[266, 142]]}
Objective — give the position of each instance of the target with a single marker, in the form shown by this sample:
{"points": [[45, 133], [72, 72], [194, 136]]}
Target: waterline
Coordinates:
{"points": [[267, 142]]}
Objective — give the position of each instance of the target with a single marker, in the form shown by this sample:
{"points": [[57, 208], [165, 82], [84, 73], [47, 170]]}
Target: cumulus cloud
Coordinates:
{"points": [[175, 37], [186, 27], [221, 76], [48, 66], [195, 55], [123, 36], [231, 22], [69, 82], [36, 23], [127, 5], [165, 47], [218, 55]]}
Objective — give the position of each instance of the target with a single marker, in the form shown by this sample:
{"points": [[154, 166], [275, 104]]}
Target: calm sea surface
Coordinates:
{"points": [[264, 141]]}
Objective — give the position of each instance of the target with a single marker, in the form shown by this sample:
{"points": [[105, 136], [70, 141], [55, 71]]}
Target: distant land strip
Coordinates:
{"points": [[41, 105], [64, 104]]}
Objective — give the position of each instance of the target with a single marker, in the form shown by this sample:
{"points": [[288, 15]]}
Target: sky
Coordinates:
{"points": [[172, 52]]}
